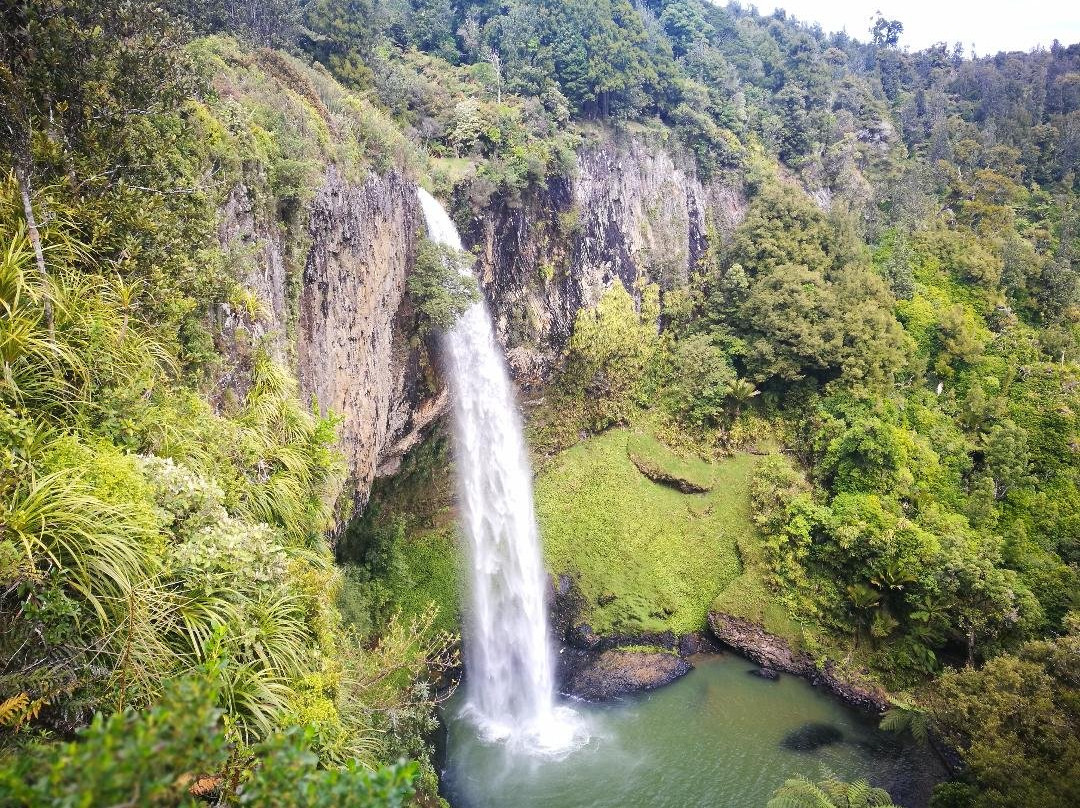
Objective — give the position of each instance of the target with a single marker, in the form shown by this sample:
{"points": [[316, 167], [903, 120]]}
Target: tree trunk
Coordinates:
{"points": [[22, 174]]}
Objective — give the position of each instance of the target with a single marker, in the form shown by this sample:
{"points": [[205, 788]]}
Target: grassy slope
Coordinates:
{"points": [[433, 560], [747, 595], [665, 556]]}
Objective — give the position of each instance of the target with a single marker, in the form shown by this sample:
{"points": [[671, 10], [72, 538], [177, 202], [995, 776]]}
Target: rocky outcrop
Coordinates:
{"points": [[774, 653], [666, 478], [620, 672], [597, 667], [328, 298], [634, 211]]}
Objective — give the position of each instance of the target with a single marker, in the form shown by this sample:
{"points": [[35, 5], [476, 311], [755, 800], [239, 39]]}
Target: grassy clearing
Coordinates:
{"points": [[646, 557]]}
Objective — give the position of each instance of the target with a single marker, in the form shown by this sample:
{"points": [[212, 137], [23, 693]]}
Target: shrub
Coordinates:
{"points": [[440, 287]]}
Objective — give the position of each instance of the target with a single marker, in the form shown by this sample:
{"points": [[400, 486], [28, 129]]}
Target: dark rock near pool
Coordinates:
{"points": [[770, 651], [697, 642], [765, 673], [810, 737], [617, 673]]}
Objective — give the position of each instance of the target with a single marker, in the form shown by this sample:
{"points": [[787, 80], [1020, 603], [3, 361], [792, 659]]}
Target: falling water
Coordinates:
{"points": [[508, 658]]}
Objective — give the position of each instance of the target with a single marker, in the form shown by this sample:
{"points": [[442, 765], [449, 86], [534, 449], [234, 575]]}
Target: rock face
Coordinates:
{"points": [[353, 346], [772, 652], [331, 284], [334, 308], [633, 211], [618, 673]]}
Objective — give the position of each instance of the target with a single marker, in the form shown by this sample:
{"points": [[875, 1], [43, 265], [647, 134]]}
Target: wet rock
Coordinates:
{"points": [[564, 606], [582, 636], [810, 737], [765, 673], [770, 651], [696, 642], [617, 673], [565, 583]]}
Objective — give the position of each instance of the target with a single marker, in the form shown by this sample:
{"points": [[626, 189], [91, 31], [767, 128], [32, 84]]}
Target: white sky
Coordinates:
{"points": [[992, 25]]}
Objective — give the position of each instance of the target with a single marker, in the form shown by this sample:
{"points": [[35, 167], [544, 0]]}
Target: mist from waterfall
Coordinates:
{"points": [[510, 687]]}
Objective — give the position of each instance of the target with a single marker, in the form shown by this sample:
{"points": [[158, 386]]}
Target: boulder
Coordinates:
{"points": [[617, 673], [765, 673]]}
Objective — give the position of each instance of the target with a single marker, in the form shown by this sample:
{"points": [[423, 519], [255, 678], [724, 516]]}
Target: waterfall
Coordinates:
{"points": [[508, 654]]}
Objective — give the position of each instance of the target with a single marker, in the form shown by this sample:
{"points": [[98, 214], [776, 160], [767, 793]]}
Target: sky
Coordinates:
{"points": [[991, 25]]}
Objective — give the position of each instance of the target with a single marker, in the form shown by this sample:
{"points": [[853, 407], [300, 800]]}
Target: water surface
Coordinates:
{"points": [[714, 738]]}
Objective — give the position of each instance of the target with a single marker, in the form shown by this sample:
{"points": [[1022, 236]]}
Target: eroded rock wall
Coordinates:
{"points": [[338, 315], [354, 343], [634, 211]]}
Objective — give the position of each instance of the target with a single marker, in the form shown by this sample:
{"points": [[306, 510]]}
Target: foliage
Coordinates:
{"points": [[441, 286], [829, 793], [1015, 721], [172, 754], [609, 351]]}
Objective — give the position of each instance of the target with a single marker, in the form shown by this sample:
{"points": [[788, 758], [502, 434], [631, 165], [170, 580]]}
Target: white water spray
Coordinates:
{"points": [[508, 657]]}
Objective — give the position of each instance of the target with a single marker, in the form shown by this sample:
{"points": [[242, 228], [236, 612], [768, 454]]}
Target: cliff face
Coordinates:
{"points": [[336, 311], [633, 212], [332, 285], [354, 352]]}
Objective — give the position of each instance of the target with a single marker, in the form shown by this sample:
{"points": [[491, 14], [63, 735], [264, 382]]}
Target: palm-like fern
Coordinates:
{"points": [[35, 368], [830, 792], [902, 716]]}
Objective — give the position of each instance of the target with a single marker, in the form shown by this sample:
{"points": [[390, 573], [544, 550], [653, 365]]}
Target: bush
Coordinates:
{"points": [[178, 753], [441, 286]]}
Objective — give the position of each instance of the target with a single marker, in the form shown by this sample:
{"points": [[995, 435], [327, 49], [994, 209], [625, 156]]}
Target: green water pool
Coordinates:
{"points": [[714, 738]]}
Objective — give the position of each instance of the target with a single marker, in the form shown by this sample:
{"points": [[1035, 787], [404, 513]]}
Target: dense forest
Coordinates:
{"points": [[197, 604]]}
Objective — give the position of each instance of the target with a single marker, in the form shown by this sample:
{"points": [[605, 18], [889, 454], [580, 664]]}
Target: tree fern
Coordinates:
{"points": [[830, 792]]}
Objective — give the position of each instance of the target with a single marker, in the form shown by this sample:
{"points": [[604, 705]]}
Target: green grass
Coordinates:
{"points": [[433, 560], [749, 597], [663, 556]]}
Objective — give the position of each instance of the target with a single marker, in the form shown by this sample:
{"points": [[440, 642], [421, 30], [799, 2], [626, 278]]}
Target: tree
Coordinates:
{"points": [[1016, 722], [701, 380], [740, 392], [439, 288], [609, 351], [886, 33], [177, 753], [88, 91], [1008, 461], [343, 34]]}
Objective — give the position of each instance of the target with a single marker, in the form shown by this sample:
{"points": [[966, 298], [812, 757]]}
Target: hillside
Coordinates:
{"points": [[834, 283]]}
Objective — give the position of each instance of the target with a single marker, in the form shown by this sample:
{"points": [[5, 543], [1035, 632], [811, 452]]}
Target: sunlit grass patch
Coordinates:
{"points": [[645, 556]]}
